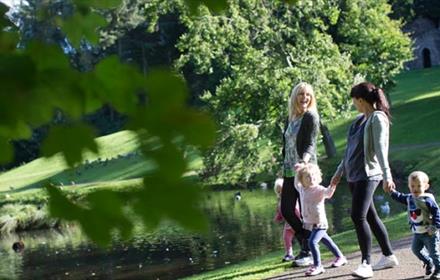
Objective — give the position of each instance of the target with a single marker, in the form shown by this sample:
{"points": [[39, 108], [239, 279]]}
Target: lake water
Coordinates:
{"points": [[240, 230]]}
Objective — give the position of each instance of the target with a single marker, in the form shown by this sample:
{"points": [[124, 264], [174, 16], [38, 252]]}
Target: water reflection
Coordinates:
{"points": [[240, 230]]}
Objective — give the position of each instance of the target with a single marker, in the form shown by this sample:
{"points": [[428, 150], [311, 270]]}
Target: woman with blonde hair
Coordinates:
{"points": [[300, 135]]}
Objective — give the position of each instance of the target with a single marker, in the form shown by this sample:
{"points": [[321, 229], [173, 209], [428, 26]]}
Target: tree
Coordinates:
{"points": [[246, 61], [377, 46], [402, 9]]}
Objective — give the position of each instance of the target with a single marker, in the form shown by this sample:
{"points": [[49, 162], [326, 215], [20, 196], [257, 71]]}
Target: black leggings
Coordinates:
{"points": [[289, 196], [366, 220]]}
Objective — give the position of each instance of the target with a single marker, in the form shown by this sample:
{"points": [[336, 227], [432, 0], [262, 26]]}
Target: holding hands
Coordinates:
{"points": [[432, 230], [335, 181], [299, 165], [388, 186]]}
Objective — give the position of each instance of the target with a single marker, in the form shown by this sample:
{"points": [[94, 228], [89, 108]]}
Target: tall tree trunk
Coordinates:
{"points": [[329, 144]]}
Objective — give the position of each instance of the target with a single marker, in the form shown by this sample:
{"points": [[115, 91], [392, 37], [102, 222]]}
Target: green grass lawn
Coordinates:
{"points": [[116, 161], [416, 107]]}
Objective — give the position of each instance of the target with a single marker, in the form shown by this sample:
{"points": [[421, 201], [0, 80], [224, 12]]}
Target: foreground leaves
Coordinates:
{"points": [[39, 86]]}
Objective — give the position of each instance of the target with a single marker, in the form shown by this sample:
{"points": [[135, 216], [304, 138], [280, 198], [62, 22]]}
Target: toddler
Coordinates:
{"points": [[313, 211], [424, 220], [288, 232]]}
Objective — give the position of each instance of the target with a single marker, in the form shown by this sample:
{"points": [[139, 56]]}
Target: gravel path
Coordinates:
{"points": [[410, 267]]}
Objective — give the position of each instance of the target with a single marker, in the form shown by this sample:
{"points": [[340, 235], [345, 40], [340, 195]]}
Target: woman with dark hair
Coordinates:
{"points": [[365, 165], [300, 135]]}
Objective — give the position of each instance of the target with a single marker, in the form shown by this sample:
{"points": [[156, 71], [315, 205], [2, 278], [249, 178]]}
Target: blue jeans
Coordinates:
{"points": [[430, 242], [317, 235]]}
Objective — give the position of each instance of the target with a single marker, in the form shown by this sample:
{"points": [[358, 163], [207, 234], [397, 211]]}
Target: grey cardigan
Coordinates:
{"points": [[307, 135], [376, 142]]}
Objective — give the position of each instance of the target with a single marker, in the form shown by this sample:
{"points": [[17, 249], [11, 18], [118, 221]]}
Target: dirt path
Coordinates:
{"points": [[410, 267]]}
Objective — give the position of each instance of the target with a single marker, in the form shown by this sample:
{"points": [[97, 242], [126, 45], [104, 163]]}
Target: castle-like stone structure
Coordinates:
{"points": [[425, 35]]}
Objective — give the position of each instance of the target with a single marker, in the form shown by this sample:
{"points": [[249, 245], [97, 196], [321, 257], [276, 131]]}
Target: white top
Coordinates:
{"points": [[312, 205]]}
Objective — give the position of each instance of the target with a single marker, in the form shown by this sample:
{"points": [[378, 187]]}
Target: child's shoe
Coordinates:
{"points": [[303, 259], [435, 275], [339, 261], [364, 270], [428, 270], [288, 258], [386, 262], [315, 270]]}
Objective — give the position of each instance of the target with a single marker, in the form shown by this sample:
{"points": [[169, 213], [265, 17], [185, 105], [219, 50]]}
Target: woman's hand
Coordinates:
{"points": [[298, 166], [388, 186], [335, 181]]}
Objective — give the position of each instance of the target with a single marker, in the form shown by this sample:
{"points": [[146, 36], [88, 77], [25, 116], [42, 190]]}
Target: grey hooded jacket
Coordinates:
{"points": [[376, 143]]}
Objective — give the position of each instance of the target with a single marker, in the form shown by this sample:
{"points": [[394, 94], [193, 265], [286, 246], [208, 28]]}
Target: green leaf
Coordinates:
{"points": [[4, 22], [119, 83], [181, 203], [103, 214], [104, 4], [17, 74], [170, 160], [61, 207], [292, 2], [166, 91], [16, 130], [71, 140], [197, 127], [82, 25], [215, 6], [46, 56], [6, 151]]}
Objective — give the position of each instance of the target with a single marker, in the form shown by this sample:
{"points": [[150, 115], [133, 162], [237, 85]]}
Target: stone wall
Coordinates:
{"points": [[426, 43]]}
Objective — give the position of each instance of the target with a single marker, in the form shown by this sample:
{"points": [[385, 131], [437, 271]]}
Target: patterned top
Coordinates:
{"points": [[291, 156], [423, 210]]}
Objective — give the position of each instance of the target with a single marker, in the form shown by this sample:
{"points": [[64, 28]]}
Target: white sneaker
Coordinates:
{"points": [[315, 270], [363, 271], [386, 262], [306, 261]]}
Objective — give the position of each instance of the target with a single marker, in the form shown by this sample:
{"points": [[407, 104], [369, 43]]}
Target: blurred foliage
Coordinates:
{"points": [[38, 81], [241, 58]]}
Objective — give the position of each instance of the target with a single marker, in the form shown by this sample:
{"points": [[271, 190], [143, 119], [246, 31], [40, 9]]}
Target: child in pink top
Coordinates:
{"points": [[312, 197], [288, 232]]}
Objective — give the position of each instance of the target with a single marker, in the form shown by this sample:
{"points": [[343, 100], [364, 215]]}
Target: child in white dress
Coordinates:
{"points": [[312, 197]]}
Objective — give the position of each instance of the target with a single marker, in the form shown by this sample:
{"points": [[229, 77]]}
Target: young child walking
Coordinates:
{"points": [[424, 220], [313, 195], [288, 231]]}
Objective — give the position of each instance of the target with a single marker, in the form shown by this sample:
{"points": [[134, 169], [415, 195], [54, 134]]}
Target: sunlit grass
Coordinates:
{"points": [[107, 165]]}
